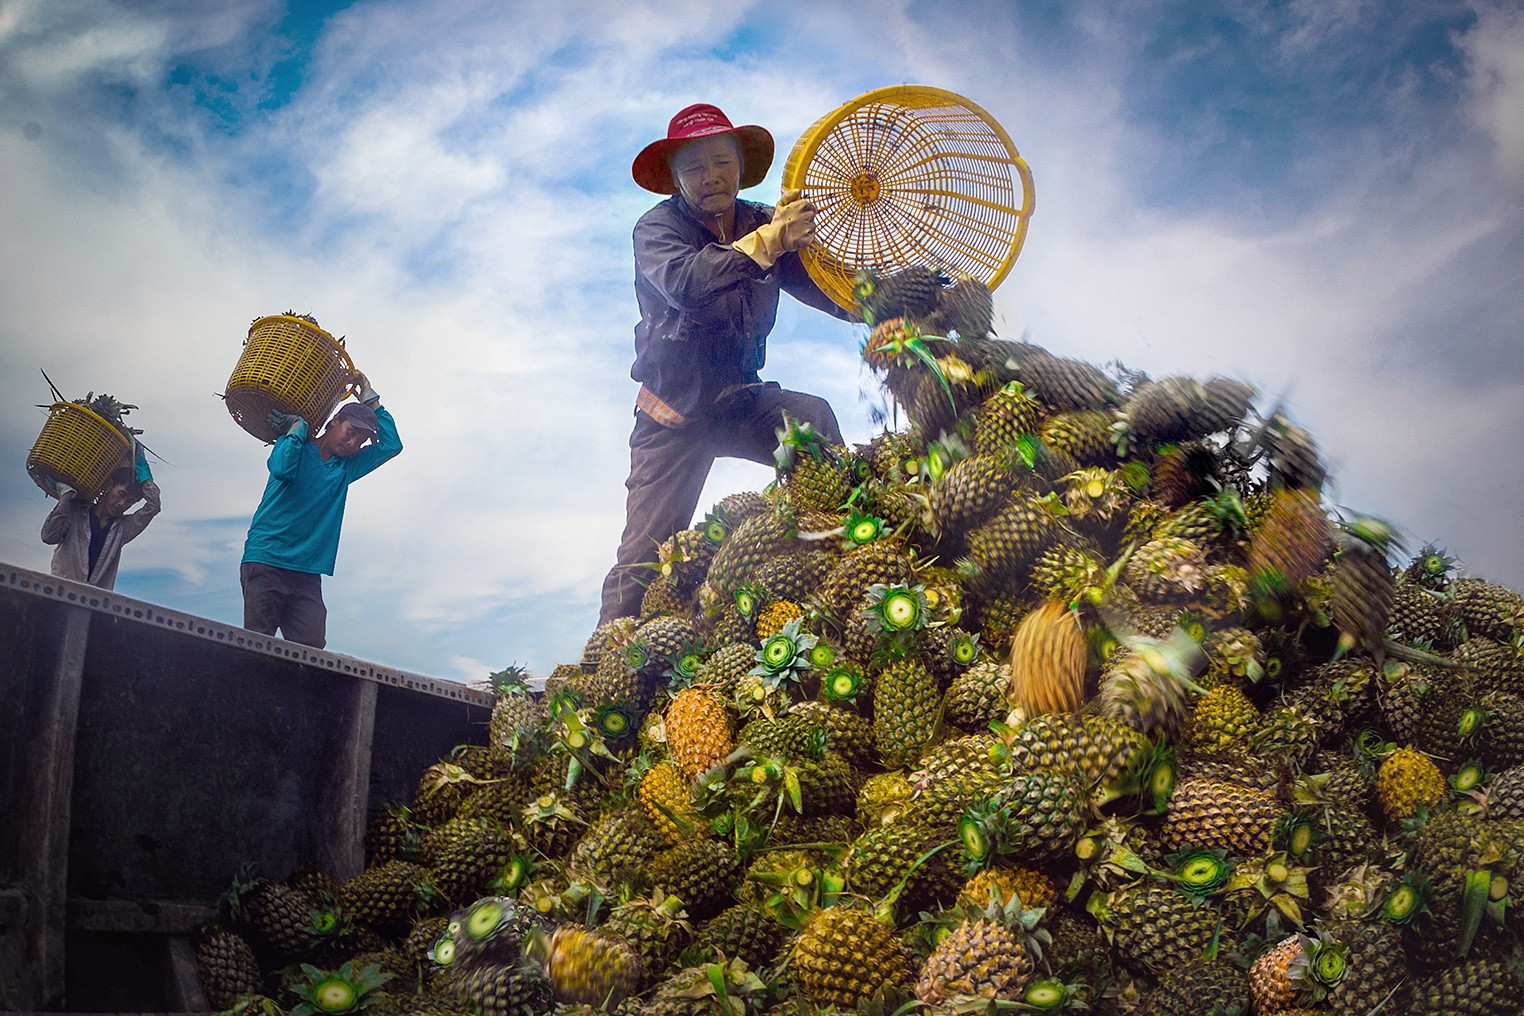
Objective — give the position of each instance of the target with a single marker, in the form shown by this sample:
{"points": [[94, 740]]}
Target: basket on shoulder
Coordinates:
{"points": [[290, 365], [81, 444]]}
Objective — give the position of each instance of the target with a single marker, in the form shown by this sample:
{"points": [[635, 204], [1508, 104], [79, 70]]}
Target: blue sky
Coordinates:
{"points": [[1323, 198]]}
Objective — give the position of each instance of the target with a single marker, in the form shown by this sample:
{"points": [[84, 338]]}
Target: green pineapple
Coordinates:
{"points": [[700, 871], [1169, 410], [1203, 987], [228, 967], [1084, 435], [657, 928], [1486, 609], [382, 895], [970, 492], [276, 913], [1154, 928], [743, 932], [1005, 417], [880, 562], [616, 846], [977, 696], [1482, 987], [1213, 813], [814, 474], [905, 712]]}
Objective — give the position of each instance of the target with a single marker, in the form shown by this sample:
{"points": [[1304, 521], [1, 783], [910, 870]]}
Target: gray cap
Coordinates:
{"points": [[359, 416]]}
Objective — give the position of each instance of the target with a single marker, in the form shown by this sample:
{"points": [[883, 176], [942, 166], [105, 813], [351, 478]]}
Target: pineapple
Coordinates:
{"points": [[664, 794], [227, 965], [501, 989], [588, 966], [700, 871], [844, 955], [1482, 987], [1048, 661], [1155, 928], [1407, 781], [743, 932], [1005, 417], [1083, 435], [700, 730], [656, 926], [905, 713], [1167, 411], [1221, 718], [970, 492], [1213, 813], [984, 956]]}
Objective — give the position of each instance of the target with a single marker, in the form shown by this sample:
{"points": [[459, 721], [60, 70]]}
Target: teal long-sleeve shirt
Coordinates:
{"points": [[296, 525]]}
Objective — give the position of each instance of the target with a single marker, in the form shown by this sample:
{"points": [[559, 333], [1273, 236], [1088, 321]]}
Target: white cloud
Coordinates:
{"points": [[1496, 48]]}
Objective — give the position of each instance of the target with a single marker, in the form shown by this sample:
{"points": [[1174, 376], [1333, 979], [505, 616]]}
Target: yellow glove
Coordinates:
{"points": [[792, 228]]}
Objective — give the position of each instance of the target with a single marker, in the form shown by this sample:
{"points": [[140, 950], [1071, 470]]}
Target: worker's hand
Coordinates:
{"points": [[284, 423], [795, 218], [792, 228], [367, 393], [53, 488], [140, 469]]}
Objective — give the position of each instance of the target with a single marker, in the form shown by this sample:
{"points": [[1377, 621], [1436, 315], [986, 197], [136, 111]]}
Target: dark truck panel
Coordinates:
{"points": [[146, 754]]}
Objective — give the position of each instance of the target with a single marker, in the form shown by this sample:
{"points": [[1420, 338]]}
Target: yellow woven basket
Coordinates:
{"points": [[78, 447], [910, 175], [290, 365]]}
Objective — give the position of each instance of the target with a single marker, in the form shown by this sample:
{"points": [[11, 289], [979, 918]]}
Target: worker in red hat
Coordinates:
{"points": [[708, 268]]}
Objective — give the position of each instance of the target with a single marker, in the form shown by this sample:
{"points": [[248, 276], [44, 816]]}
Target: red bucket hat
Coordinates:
{"points": [[651, 169]]}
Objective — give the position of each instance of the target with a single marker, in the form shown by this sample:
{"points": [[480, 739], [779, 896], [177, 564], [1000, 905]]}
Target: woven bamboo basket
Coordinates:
{"points": [[290, 365], [910, 176], [78, 447]]}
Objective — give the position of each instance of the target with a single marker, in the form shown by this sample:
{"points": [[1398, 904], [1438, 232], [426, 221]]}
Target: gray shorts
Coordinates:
{"points": [[289, 600]]}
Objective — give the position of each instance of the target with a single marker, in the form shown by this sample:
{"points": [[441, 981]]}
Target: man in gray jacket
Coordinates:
{"points": [[88, 538]]}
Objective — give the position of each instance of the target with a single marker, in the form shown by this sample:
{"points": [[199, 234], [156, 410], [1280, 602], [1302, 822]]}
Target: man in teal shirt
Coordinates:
{"points": [[294, 538]]}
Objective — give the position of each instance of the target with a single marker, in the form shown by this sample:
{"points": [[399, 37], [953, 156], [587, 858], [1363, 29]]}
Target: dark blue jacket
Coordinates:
{"points": [[706, 308]]}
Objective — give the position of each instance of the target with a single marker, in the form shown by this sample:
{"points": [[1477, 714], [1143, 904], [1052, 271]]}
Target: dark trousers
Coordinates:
{"points": [[668, 468], [289, 600]]}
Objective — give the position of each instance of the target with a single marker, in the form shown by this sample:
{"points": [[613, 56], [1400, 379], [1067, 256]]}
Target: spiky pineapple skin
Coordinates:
{"points": [[844, 955]]}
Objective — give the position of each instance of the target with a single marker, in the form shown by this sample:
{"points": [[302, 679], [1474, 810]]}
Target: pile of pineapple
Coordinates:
{"points": [[1070, 692]]}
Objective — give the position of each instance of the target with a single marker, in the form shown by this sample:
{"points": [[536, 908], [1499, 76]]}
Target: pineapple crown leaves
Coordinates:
{"points": [[861, 528], [799, 437], [578, 733], [1149, 779], [896, 610], [1431, 568], [511, 680], [345, 990], [1297, 831], [327, 923], [1278, 881], [1407, 906], [784, 656], [548, 809], [942, 455], [515, 874], [733, 988], [1320, 967], [1199, 872], [685, 664], [843, 682]]}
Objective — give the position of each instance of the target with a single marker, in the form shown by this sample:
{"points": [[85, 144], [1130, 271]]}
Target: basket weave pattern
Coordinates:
{"points": [[289, 365], [906, 176], [78, 447]]}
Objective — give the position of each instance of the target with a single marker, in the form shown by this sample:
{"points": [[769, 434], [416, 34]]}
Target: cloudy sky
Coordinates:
{"points": [[1323, 197]]}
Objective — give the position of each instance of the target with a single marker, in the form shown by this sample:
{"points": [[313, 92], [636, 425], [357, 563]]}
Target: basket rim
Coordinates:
{"points": [[809, 142], [76, 407], [338, 346]]}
